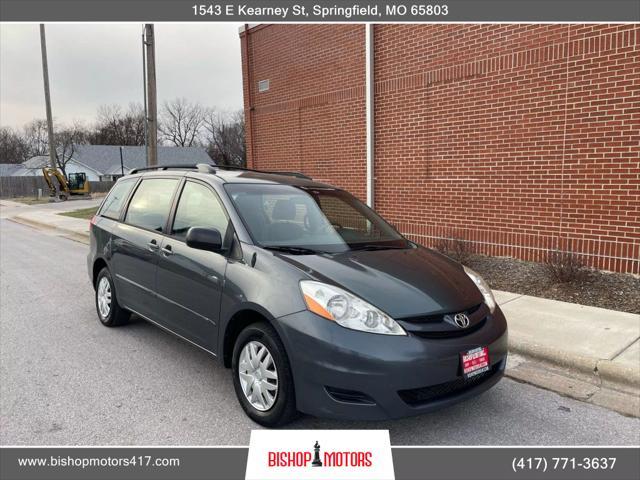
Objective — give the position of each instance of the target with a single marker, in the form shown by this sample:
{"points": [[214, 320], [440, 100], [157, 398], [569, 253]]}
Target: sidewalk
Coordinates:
{"points": [[46, 216], [588, 339], [588, 353], [585, 349]]}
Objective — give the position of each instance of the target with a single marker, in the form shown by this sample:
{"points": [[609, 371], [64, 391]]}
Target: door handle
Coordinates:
{"points": [[152, 246], [167, 250]]}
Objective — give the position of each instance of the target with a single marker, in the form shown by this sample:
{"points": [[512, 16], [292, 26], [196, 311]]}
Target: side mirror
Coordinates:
{"points": [[208, 239]]}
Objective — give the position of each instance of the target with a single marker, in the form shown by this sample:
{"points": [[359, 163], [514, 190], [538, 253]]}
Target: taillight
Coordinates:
{"points": [[93, 221]]}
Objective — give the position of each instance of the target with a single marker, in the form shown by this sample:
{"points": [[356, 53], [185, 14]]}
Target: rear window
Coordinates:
{"points": [[150, 205], [114, 202]]}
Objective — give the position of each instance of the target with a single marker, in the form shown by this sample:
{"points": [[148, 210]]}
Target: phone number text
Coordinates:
{"points": [[542, 464]]}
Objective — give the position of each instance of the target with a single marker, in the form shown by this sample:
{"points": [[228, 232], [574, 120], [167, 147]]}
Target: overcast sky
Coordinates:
{"points": [[95, 64]]}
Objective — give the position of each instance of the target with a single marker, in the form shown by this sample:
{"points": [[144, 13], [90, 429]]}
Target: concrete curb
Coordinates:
{"points": [[78, 236], [616, 376], [570, 383], [619, 375], [557, 357]]}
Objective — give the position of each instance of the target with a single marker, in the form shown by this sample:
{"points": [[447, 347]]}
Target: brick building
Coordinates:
{"points": [[519, 139]]}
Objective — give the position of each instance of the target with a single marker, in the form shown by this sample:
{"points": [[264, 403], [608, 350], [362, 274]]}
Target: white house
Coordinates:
{"points": [[108, 162], [33, 167]]}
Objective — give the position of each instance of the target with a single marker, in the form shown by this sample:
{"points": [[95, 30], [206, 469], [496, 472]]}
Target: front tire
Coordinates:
{"points": [[262, 376], [110, 313]]}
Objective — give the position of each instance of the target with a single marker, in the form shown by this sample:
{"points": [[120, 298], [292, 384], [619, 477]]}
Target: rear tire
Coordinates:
{"points": [[263, 409], [110, 313]]}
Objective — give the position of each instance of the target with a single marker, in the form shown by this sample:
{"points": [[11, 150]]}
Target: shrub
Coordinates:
{"points": [[455, 248], [564, 267]]}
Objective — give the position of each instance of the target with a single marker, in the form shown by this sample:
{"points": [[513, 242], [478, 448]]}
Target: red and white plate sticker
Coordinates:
{"points": [[475, 362]]}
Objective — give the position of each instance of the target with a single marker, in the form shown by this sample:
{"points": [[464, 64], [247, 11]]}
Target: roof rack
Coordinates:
{"points": [[207, 168], [165, 167], [289, 174]]}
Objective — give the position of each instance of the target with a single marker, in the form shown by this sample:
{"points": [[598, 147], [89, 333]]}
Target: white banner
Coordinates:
{"points": [[320, 454]]}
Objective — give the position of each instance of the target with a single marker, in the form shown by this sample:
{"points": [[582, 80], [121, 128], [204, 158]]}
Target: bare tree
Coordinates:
{"points": [[225, 137], [36, 137], [115, 127], [181, 122], [67, 140], [13, 146], [134, 125]]}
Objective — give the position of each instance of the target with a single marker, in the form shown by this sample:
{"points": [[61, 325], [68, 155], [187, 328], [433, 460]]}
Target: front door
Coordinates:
{"points": [[190, 281]]}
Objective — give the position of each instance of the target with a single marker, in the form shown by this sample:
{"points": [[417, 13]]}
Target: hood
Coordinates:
{"points": [[402, 283]]}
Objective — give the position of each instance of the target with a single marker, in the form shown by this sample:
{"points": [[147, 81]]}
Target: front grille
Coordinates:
{"points": [[420, 396], [449, 333], [442, 326], [439, 317]]}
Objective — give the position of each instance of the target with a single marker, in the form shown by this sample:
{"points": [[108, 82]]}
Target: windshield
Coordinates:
{"points": [[309, 220]]}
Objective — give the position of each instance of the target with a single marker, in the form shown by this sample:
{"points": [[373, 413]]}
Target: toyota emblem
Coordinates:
{"points": [[461, 320]]}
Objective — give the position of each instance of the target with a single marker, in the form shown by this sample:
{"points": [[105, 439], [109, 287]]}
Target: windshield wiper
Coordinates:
{"points": [[377, 247], [293, 250]]}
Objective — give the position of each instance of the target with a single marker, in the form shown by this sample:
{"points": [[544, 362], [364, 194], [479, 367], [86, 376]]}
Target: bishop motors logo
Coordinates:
{"points": [[316, 459], [319, 454], [330, 458]]}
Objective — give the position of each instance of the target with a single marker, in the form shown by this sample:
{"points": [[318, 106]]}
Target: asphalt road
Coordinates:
{"points": [[67, 380]]}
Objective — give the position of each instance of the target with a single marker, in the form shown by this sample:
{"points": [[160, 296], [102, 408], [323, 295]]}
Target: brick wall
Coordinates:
{"points": [[312, 118], [516, 138]]}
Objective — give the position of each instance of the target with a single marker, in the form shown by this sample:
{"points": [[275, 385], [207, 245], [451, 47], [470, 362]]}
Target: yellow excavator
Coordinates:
{"points": [[76, 185]]}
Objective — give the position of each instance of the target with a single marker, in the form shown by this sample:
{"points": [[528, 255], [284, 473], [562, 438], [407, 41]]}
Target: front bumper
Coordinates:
{"points": [[393, 373]]}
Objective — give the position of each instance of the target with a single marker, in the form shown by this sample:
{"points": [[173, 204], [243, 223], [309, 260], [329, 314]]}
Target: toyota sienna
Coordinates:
{"points": [[315, 302]]}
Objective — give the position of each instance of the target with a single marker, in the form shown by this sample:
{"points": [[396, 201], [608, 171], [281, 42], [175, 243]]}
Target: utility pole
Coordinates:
{"points": [[47, 97], [121, 162], [144, 94], [151, 98]]}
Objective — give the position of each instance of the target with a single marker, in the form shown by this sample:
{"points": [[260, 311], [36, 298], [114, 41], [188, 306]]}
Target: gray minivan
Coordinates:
{"points": [[316, 303]]}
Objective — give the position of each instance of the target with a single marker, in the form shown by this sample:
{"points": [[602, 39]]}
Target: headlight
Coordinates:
{"points": [[347, 310], [483, 287]]}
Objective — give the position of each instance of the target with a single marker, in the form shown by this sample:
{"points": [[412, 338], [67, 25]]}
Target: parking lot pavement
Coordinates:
{"points": [[67, 380]]}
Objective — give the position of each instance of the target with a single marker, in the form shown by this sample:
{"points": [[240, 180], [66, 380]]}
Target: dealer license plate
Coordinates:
{"points": [[474, 362]]}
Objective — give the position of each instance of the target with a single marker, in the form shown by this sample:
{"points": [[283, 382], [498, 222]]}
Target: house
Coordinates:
{"points": [[515, 140], [8, 169], [104, 162], [33, 167]]}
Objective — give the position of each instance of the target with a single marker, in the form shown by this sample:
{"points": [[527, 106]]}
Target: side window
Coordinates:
{"points": [[198, 207], [115, 199], [150, 205]]}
